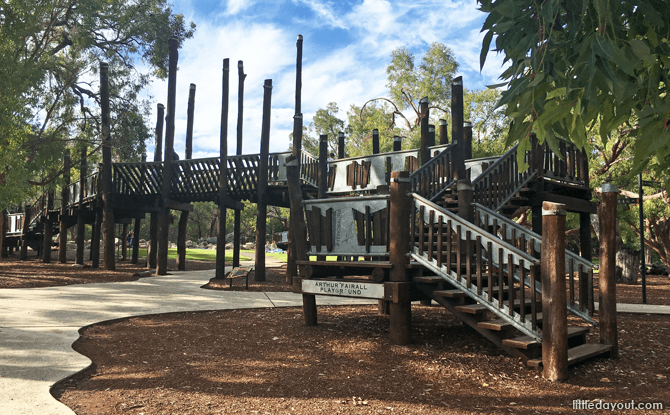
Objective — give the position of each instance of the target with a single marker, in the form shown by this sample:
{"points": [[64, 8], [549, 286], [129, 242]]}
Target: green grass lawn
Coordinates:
{"points": [[202, 255]]}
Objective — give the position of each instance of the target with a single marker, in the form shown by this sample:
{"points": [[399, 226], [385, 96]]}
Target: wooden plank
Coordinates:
{"points": [[579, 354], [474, 309], [449, 293], [328, 229]]}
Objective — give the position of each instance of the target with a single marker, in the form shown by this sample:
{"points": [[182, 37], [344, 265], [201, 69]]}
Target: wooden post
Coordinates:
{"points": [[467, 140], [261, 219], [340, 145], [27, 218], [291, 267], [465, 209], [166, 189], [183, 216], [397, 143], [457, 126], [606, 276], [95, 238], [424, 151], [237, 231], [555, 317], [48, 229], [124, 242], [152, 250], [136, 241], [108, 237], [444, 138], [81, 223], [223, 169], [323, 165], [375, 141], [3, 232], [399, 237], [585, 250], [65, 195]]}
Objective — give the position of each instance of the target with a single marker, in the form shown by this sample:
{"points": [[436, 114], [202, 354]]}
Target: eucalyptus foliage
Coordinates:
{"points": [[578, 65], [50, 53]]}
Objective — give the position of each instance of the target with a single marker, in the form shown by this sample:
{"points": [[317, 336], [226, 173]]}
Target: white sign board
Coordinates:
{"points": [[343, 289]]}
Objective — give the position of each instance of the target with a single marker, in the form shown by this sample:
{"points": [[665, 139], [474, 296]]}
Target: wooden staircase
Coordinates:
{"points": [[499, 297]]}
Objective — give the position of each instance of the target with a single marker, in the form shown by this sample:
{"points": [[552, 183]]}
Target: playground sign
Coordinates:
{"points": [[343, 289]]}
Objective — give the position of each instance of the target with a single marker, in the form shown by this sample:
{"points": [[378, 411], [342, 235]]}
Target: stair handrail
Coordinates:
{"points": [[517, 256], [573, 262], [435, 176], [494, 193]]}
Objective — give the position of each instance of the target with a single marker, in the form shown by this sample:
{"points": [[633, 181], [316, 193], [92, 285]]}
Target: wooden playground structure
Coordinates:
{"points": [[430, 224]]}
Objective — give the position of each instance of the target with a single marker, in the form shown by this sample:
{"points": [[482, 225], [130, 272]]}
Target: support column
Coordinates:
{"points": [[95, 239], [152, 250], [237, 230], [555, 313], [124, 242], [108, 237], [444, 137], [457, 126], [261, 219], [81, 223], [397, 143], [340, 145], [606, 279], [48, 229], [299, 230], [65, 196], [585, 250], [467, 140], [400, 309], [183, 216], [223, 178], [375, 141], [27, 218], [136, 241], [3, 232], [166, 189], [424, 151], [465, 209]]}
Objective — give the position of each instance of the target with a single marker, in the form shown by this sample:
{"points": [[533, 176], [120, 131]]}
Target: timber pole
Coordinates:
{"points": [[375, 141], [108, 237], [606, 279], [124, 242], [444, 137], [323, 165], [3, 232], [340, 145], [237, 231], [183, 217], [467, 140], [65, 195], [457, 126], [166, 189], [153, 220], [223, 170], [400, 331], [27, 218], [81, 223], [424, 115], [262, 213], [397, 143], [555, 312], [48, 229], [291, 267]]}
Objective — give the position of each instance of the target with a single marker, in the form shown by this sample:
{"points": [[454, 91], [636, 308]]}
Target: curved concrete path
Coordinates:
{"points": [[39, 325]]}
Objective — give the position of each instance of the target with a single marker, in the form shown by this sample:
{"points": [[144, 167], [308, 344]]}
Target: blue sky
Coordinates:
{"points": [[347, 46]]}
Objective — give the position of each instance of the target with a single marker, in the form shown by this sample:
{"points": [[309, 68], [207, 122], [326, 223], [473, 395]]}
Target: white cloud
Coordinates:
{"points": [[236, 6], [324, 13]]}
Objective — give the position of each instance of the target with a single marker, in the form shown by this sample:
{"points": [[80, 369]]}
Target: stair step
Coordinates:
{"points": [[472, 309], [526, 342], [579, 353], [429, 279], [449, 293], [500, 324]]}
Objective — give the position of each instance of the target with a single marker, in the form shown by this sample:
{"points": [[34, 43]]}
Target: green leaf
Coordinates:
{"points": [[486, 43]]}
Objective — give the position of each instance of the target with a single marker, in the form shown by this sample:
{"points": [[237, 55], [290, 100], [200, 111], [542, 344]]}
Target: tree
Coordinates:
{"points": [[49, 57], [324, 121], [579, 65]]}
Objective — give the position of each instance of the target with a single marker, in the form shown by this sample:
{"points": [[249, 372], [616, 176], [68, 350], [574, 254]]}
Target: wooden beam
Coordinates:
{"points": [[572, 204], [173, 204]]}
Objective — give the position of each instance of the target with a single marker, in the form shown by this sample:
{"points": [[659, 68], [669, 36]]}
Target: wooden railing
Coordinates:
{"points": [[568, 165], [481, 265], [434, 177], [580, 303], [500, 181]]}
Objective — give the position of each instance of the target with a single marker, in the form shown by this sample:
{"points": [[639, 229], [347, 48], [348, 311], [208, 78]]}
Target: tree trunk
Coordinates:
{"points": [[627, 264]]}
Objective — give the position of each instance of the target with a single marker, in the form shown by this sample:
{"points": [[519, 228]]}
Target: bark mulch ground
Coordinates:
{"points": [[266, 361]]}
